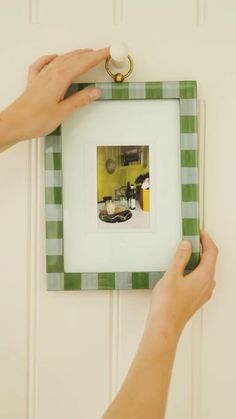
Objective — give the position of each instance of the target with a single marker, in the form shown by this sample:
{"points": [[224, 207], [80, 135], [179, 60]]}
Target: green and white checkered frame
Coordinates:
{"points": [[57, 279]]}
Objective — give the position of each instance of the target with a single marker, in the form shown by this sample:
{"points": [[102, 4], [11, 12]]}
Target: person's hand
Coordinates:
{"points": [[176, 297], [42, 107]]}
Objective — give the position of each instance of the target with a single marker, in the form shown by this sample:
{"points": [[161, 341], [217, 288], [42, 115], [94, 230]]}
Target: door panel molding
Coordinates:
{"points": [[114, 332], [33, 277], [118, 12], [33, 12], [201, 12]]}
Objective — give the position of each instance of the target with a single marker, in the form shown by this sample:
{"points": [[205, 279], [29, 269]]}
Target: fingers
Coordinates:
{"points": [[78, 100], [180, 258], [204, 274], [38, 65], [60, 59], [70, 54], [55, 59], [209, 254], [77, 65]]}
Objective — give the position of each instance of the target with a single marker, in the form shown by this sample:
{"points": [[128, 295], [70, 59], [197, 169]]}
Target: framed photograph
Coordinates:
{"points": [[121, 187]]}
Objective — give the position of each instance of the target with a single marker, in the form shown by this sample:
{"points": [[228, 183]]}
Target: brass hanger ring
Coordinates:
{"points": [[119, 77]]}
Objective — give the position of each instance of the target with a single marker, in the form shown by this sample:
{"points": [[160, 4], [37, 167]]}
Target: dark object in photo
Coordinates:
{"points": [[118, 217]]}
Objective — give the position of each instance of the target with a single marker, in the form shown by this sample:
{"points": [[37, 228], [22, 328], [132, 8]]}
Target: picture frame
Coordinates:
{"points": [[185, 92]]}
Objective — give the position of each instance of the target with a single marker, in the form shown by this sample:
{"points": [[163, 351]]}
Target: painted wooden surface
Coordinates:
{"points": [[63, 355]]}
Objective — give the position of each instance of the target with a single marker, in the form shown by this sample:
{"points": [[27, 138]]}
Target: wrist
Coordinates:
{"points": [[158, 341], [163, 328], [10, 129]]}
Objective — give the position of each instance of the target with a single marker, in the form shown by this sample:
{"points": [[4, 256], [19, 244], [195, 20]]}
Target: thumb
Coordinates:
{"points": [[78, 100], [181, 258]]}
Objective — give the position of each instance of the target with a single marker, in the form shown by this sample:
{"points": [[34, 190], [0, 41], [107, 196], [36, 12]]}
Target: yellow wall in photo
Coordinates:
{"points": [[132, 172], [106, 182]]}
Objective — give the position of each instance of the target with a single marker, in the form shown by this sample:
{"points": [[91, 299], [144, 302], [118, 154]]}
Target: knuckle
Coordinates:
{"points": [[44, 58], [210, 290], [57, 73], [84, 98], [31, 68], [36, 63], [215, 248], [209, 295]]}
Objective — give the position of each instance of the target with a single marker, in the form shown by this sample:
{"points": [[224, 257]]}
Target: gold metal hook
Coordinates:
{"points": [[119, 77]]}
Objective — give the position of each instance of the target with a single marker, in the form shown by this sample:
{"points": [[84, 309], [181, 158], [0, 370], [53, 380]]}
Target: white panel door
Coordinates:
{"points": [[64, 355]]}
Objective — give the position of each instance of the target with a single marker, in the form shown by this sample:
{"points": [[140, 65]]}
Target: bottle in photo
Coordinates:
{"points": [[127, 193], [132, 196]]}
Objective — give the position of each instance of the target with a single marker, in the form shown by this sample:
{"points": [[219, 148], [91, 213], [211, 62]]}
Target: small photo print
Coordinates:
{"points": [[123, 187]]}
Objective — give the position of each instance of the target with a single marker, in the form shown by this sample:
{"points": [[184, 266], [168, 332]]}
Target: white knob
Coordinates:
{"points": [[119, 52]]}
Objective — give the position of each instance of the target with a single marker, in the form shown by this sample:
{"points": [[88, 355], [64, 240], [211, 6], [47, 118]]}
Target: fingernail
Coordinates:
{"points": [[185, 245], [94, 94]]}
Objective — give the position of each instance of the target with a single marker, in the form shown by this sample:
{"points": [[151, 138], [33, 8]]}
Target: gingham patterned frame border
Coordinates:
{"points": [[57, 279]]}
